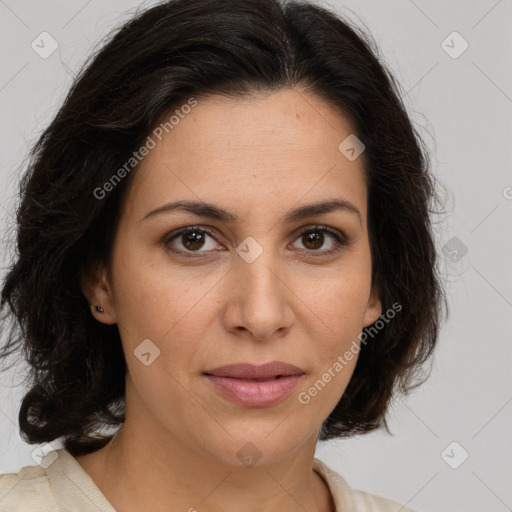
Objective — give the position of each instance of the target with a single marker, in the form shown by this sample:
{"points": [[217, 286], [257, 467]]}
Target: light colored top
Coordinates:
{"points": [[60, 484]]}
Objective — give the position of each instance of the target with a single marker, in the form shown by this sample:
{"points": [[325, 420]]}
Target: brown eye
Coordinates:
{"points": [[191, 240], [321, 240], [313, 240]]}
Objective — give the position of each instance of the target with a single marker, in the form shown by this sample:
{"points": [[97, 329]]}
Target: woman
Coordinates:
{"points": [[224, 255]]}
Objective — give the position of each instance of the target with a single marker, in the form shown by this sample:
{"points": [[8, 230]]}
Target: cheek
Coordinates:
{"points": [[338, 306], [336, 347], [340, 298], [153, 298], [322, 390]]}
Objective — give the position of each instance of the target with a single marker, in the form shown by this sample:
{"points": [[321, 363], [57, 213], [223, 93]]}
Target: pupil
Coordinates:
{"points": [[314, 239], [193, 240]]}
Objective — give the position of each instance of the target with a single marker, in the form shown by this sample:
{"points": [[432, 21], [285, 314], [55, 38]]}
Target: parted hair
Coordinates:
{"points": [[158, 59]]}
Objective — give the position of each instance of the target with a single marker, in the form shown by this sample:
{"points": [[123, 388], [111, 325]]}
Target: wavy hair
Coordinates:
{"points": [[142, 70]]}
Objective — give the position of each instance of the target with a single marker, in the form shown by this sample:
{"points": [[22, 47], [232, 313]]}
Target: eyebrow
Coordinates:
{"points": [[212, 211]]}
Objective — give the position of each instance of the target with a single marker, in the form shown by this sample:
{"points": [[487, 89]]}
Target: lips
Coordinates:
{"points": [[255, 386], [249, 371]]}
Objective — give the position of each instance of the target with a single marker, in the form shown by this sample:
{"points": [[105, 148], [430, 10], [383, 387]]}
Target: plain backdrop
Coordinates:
{"points": [[451, 448]]}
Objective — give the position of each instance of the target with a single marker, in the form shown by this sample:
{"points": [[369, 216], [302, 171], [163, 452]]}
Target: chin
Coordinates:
{"points": [[264, 443]]}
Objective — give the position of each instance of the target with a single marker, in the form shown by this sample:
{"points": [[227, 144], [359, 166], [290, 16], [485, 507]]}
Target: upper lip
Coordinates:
{"points": [[251, 371]]}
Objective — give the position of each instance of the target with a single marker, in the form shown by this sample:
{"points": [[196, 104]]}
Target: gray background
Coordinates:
{"points": [[462, 105]]}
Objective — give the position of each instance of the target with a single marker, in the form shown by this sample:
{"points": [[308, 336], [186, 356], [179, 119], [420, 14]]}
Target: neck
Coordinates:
{"points": [[146, 465]]}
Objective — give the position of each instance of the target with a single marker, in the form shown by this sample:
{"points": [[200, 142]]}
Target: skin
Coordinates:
{"points": [[258, 158]]}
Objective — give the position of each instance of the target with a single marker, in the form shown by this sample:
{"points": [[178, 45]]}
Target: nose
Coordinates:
{"points": [[259, 301]]}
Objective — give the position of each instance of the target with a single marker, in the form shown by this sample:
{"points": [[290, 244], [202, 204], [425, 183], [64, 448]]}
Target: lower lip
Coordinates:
{"points": [[254, 393]]}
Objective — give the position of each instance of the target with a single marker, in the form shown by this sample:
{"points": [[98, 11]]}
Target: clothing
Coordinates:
{"points": [[64, 486]]}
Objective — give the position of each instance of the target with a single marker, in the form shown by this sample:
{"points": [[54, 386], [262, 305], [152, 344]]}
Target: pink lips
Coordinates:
{"points": [[255, 386]]}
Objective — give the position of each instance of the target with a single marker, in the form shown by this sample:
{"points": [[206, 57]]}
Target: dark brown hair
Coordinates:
{"points": [[157, 60]]}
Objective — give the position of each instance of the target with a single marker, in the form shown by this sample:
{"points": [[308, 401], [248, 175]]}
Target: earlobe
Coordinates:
{"points": [[373, 308], [97, 289]]}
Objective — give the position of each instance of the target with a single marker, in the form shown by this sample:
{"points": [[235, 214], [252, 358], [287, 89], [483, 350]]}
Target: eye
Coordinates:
{"points": [[191, 239], [316, 237], [199, 241]]}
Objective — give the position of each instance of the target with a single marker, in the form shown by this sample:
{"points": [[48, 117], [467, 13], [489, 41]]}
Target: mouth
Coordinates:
{"points": [[255, 386]]}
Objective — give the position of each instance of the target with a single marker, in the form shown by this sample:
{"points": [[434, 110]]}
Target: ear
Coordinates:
{"points": [[98, 292], [373, 308]]}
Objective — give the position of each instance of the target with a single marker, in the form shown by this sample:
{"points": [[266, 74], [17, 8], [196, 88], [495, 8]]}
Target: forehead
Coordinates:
{"points": [[279, 147]]}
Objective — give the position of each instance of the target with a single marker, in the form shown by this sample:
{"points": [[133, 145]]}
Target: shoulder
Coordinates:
{"points": [[57, 484], [29, 489], [354, 500], [372, 503]]}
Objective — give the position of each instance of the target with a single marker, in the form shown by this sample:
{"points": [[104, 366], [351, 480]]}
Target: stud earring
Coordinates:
{"points": [[99, 309]]}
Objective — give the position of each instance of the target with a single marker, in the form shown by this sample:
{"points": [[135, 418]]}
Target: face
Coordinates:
{"points": [[243, 274]]}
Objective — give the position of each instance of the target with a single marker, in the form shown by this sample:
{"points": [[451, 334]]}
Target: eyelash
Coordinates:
{"points": [[339, 239]]}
